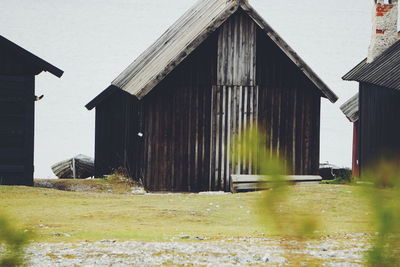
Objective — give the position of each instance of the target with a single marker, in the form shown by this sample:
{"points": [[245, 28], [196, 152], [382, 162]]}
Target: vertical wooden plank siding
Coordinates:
{"points": [[236, 63], [229, 121], [117, 144], [289, 109], [177, 125], [233, 96], [379, 130], [17, 130], [29, 88], [175, 145]]}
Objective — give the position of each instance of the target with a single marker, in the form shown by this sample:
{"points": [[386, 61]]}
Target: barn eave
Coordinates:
{"points": [[101, 97], [39, 63], [351, 108]]}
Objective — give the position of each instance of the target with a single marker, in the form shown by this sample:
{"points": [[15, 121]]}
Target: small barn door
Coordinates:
{"points": [[235, 108], [16, 130]]}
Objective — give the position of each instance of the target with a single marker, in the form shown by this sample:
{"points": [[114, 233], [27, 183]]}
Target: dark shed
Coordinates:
{"points": [[377, 104], [379, 109], [168, 118], [18, 69]]}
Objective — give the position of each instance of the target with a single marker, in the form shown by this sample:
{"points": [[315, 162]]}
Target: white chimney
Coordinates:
{"points": [[384, 27]]}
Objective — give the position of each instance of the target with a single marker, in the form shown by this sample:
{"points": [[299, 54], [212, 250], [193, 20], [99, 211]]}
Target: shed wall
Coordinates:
{"points": [[117, 141], [234, 96], [379, 130], [13, 63], [234, 108], [177, 125], [17, 130], [289, 109], [236, 64]]}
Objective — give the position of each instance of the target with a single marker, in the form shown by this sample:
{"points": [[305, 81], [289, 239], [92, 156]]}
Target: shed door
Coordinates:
{"points": [[16, 130], [235, 108]]}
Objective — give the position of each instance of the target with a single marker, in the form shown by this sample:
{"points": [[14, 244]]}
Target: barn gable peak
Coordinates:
{"points": [[186, 34]]}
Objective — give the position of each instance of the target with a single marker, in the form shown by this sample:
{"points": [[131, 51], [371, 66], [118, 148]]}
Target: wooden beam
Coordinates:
{"points": [[260, 178], [262, 182]]}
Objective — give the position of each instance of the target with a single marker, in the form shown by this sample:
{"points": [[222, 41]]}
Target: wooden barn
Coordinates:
{"points": [[18, 69], [377, 105], [169, 117]]}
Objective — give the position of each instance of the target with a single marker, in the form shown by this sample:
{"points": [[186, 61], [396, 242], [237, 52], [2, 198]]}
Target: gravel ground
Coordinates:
{"points": [[347, 251]]}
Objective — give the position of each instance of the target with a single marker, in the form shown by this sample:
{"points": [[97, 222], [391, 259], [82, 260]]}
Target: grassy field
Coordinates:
{"points": [[60, 216]]}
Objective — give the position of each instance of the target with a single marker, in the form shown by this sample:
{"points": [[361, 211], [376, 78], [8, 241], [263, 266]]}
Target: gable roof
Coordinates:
{"points": [[35, 60], [383, 71], [350, 108], [185, 35], [103, 95]]}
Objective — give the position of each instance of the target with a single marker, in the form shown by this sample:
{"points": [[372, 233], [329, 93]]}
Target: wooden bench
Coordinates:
{"points": [[241, 183]]}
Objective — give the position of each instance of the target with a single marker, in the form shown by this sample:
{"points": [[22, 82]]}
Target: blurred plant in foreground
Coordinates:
{"points": [[380, 185], [295, 223], [383, 192], [12, 244]]}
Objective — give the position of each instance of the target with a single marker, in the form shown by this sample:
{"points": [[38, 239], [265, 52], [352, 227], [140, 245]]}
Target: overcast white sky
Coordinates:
{"points": [[94, 40]]}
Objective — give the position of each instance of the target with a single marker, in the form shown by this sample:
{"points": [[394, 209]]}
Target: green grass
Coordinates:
{"points": [[87, 216]]}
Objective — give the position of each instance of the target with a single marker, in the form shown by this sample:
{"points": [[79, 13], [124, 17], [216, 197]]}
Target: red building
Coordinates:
{"points": [[350, 109]]}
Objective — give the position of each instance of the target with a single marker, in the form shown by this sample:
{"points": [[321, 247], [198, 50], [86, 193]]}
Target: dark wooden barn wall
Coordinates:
{"points": [[236, 65], [177, 125], [13, 63], [234, 97], [118, 145], [379, 127], [234, 109], [16, 130], [289, 109], [258, 86]]}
